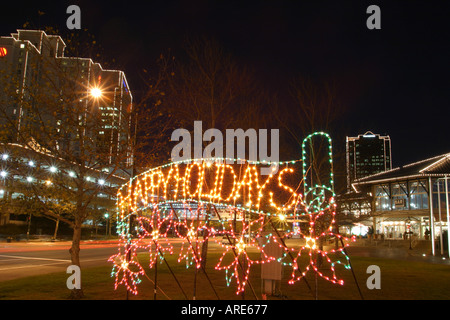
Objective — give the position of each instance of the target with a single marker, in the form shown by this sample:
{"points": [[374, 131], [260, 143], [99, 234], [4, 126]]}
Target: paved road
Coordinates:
{"points": [[23, 259], [19, 260]]}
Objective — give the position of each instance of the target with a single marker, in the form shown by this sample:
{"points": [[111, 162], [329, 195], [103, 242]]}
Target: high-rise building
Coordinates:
{"points": [[83, 110], [35, 73], [367, 154]]}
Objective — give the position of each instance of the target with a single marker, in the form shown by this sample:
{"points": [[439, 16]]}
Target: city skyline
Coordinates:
{"points": [[169, 165], [391, 80]]}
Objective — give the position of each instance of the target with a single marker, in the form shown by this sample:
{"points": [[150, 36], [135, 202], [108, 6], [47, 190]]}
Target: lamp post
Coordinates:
{"points": [[106, 215], [447, 209], [29, 226], [409, 232]]}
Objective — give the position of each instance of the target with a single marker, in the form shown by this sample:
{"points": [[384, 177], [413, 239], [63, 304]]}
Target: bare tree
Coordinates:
{"points": [[154, 121], [315, 106], [206, 83], [81, 142]]}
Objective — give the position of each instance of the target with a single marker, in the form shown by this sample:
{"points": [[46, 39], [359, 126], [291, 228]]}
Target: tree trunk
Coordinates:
{"points": [[75, 256], [204, 252], [56, 229]]}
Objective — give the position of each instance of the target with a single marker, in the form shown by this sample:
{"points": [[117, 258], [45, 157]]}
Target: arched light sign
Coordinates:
{"points": [[183, 196]]}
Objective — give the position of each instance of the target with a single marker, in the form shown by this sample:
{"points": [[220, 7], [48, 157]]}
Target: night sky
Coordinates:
{"points": [[394, 81]]}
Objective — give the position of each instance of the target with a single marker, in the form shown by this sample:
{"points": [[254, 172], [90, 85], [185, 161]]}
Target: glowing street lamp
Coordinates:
{"points": [[282, 220], [96, 92]]}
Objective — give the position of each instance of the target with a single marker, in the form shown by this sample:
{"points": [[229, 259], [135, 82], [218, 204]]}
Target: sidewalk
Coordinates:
{"points": [[397, 253], [39, 245], [357, 248]]}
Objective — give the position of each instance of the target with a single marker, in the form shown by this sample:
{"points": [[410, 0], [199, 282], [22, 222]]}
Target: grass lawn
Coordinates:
{"points": [[400, 280]]}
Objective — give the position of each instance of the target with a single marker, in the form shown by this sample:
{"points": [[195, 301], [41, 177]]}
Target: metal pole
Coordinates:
{"points": [[290, 254], [351, 268], [441, 241], [29, 226], [235, 254], [156, 276], [430, 202], [409, 233], [196, 254], [156, 257], [128, 252], [448, 221], [196, 248]]}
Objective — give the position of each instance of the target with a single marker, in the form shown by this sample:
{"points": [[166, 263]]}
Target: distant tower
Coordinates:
{"points": [[367, 154]]}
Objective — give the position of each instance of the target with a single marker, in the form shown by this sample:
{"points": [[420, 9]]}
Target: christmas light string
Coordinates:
{"points": [[189, 230], [318, 203], [206, 183], [239, 267], [154, 229], [124, 263]]}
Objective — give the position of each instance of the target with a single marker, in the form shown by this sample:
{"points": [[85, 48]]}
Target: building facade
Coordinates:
{"points": [[23, 170], [65, 122], [35, 73], [412, 200], [367, 154]]}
